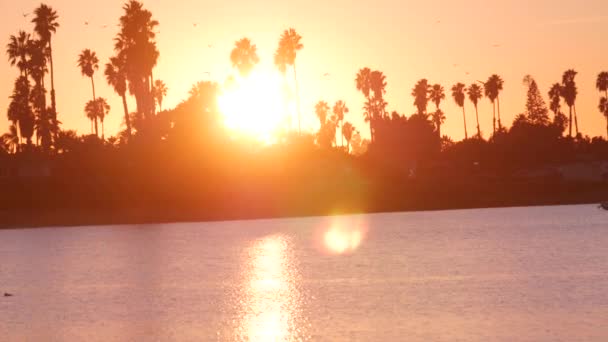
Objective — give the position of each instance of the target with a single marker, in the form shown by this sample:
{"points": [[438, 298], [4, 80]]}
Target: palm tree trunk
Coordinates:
{"points": [[493, 117], [606, 126], [94, 99], [498, 105], [341, 135], [570, 122], [96, 131], [575, 120], [477, 117], [127, 121], [53, 104], [103, 137], [295, 77], [464, 118]]}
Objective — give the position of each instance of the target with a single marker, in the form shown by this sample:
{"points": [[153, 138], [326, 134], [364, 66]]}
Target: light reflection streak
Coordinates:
{"points": [[344, 235], [271, 303]]}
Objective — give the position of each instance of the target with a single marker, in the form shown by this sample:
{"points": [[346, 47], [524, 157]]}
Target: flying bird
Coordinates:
{"points": [[495, 45], [104, 26], [86, 23], [467, 73], [326, 74], [25, 15], [195, 24]]}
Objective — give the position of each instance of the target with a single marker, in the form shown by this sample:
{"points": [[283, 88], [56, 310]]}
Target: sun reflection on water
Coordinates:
{"points": [[271, 302], [344, 235]]}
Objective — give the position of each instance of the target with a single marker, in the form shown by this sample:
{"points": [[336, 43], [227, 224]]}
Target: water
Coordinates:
{"points": [[514, 274]]}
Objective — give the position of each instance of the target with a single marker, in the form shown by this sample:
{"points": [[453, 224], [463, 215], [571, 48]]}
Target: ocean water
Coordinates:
{"points": [[510, 274]]}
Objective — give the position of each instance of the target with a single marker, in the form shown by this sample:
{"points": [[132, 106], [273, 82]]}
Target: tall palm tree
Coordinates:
{"points": [[420, 94], [602, 82], [160, 91], [458, 93], [569, 93], [116, 76], [90, 110], [289, 45], [364, 85], [496, 84], [18, 51], [88, 63], [45, 20], [103, 109], [11, 139], [603, 107], [347, 133], [339, 110], [555, 98], [244, 56], [322, 109], [475, 94], [436, 95], [135, 43]]}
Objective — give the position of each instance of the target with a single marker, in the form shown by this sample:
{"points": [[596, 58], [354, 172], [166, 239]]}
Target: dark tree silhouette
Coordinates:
{"points": [[347, 132], [116, 76], [602, 85], [88, 63], [436, 95], [364, 85], [474, 93], [289, 45], [536, 109], [458, 93], [244, 56], [18, 50], [420, 94], [569, 93], [45, 20], [160, 91], [340, 110]]}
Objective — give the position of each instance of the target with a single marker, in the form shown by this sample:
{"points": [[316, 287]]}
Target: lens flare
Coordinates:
{"points": [[345, 235]]}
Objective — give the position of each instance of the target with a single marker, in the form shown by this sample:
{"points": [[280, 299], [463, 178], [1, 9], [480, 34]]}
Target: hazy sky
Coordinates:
{"points": [[439, 40]]}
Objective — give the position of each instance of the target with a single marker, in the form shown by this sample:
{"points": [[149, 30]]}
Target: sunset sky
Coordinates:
{"points": [[439, 40]]}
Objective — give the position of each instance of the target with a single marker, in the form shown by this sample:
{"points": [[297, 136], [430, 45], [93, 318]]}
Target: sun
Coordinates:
{"points": [[255, 106]]}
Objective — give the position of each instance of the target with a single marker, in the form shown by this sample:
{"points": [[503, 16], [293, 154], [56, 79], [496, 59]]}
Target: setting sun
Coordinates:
{"points": [[255, 106]]}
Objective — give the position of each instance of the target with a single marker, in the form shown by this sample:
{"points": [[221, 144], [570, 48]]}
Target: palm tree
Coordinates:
{"points": [[603, 107], [88, 63], [244, 56], [90, 110], [18, 51], [339, 110], [458, 93], [103, 109], [321, 109], [364, 85], [135, 43], [474, 93], [160, 91], [495, 83], [555, 98], [11, 139], [602, 82], [569, 93], [347, 133], [289, 45], [436, 95], [116, 76], [46, 25], [420, 94]]}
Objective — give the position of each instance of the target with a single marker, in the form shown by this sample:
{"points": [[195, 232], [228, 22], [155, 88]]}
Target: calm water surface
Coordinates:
{"points": [[514, 274]]}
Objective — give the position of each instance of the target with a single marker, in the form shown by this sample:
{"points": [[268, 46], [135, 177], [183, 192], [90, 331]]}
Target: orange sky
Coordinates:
{"points": [[439, 40]]}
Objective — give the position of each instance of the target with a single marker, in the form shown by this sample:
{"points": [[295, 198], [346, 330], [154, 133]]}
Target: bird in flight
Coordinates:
{"points": [[195, 24], [467, 73], [326, 74], [86, 23], [25, 15], [495, 45], [104, 26]]}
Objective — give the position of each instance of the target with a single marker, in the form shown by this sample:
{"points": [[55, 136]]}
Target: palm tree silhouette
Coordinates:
{"points": [[474, 93], [458, 93], [160, 91], [602, 82], [88, 63], [45, 20], [289, 45], [103, 109], [18, 51], [321, 110], [364, 85], [569, 93], [116, 76], [603, 107], [436, 95], [244, 56], [340, 110], [11, 139], [555, 94], [347, 133], [420, 94], [90, 110], [495, 85]]}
